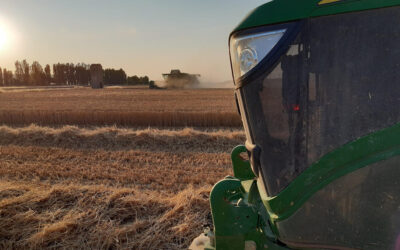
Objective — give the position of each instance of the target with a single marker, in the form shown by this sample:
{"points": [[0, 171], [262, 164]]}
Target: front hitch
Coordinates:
{"points": [[239, 217]]}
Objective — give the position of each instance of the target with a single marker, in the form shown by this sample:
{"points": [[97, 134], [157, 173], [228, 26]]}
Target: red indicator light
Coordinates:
{"points": [[296, 107]]}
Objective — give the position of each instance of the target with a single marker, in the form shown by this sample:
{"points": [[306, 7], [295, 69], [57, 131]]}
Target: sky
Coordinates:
{"points": [[147, 37]]}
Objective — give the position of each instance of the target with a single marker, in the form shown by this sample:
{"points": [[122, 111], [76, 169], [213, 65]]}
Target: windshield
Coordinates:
{"points": [[338, 81]]}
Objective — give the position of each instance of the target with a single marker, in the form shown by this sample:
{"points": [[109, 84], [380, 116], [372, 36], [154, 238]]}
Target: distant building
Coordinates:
{"points": [[96, 76]]}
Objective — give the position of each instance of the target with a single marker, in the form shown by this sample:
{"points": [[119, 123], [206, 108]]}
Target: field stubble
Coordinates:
{"points": [[108, 187]]}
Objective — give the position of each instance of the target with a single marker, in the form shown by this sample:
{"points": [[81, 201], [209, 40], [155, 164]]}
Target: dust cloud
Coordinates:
{"points": [[203, 84]]}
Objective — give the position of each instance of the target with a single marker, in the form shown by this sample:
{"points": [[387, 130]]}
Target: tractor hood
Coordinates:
{"points": [[281, 11]]}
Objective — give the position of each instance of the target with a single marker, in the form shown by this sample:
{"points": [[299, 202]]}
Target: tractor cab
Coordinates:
{"points": [[318, 89]]}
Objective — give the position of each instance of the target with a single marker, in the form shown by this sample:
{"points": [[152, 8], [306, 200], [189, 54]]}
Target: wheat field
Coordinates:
{"points": [[119, 106], [90, 186]]}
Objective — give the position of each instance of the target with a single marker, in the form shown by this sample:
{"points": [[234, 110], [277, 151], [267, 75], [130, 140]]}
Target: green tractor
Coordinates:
{"points": [[318, 89]]}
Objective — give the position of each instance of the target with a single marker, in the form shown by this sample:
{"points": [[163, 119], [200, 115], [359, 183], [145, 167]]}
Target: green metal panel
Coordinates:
{"points": [[238, 217], [369, 149], [281, 11], [241, 169]]}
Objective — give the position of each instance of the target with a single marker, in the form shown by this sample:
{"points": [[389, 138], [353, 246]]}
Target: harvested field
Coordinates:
{"points": [[141, 183], [108, 187], [113, 138], [121, 118], [98, 217], [120, 106]]}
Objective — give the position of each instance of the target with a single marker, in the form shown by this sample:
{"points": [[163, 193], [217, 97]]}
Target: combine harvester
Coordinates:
{"points": [[178, 79], [318, 89]]}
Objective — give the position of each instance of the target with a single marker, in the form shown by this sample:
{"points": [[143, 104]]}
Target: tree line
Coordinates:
{"points": [[63, 74]]}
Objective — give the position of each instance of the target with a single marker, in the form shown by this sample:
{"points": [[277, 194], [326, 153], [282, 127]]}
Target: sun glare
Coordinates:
{"points": [[6, 36], [3, 38]]}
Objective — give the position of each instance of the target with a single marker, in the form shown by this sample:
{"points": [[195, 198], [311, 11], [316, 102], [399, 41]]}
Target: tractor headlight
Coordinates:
{"points": [[248, 50]]}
